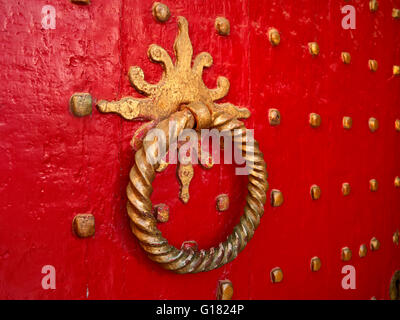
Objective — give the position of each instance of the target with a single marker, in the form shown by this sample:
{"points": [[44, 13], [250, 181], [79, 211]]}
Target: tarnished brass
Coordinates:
{"points": [[397, 182], [225, 290], [373, 65], [315, 192], [315, 264], [315, 120], [161, 212], [182, 97], [396, 70], [394, 288], [276, 198], [346, 57], [397, 124], [346, 254], [396, 13], [276, 275], [81, 104], [373, 185], [274, 36], [373, 124], [362, 252], [374, 244], [185, 175], [84, 225], [347, 122], [346, 188], [222, 202], [81, 1], [396, 238], [313, 47], [160, 12], [222, 26], [274, 117], [373, 5]]}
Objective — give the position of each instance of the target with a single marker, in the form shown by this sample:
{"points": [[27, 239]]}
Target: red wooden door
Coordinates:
{"points": [[55, 165]]}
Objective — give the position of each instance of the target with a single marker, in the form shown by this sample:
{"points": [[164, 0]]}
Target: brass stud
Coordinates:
{"points": [[222, 26], [396, 13], [396, 238], [274, 117], [346, 254], [397, 182], [161, 212], [83, 225], [373, 65], [362, 252], [276, 275], [374, 244], [315, 120], [81, 104], [373, 5], [373, 185], [373, 124], [396, 70], [81, 1], [274, 36], [225, 290], [160, 12], [346, 57], [315, 192], [346, 188], [397, 124], [313, 47], [315, 264], [222, 202], [276, 198], [347, 122]]}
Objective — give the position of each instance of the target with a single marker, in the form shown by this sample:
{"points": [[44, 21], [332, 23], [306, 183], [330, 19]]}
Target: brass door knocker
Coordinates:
{"points": [[181, 96]]}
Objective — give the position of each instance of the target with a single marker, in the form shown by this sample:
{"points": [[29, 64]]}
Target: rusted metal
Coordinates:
{"points": [[84, 225], [222, 26], [222, 202], [81, 104]]}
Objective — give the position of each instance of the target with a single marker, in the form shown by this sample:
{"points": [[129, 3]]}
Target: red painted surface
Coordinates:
{"points": [[54, 165]]}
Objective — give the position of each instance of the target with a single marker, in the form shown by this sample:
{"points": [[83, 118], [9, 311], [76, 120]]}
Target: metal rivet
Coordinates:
{"points": [[274, 117], [160, 12], [222, 202], [346, 57], [347, 122], [315, 192], [397, 124], [81, 1], [276, 198], [346, 188], [222, 26], [161, 211], [374, 244], [373, 185], [362, 252], [313, 47], [373, 65], [81, 104], [396, 70], [396, 238], [225, 290], [315, 120], [373, 124], [373, 5], [394, 287], [397, 182], [315, 264], [396, 13], [276, 275], [274, 36], [84, 225], [346, 254]]}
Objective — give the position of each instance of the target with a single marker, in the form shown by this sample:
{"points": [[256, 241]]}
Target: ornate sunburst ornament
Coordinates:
{"points": [[182, 97]]}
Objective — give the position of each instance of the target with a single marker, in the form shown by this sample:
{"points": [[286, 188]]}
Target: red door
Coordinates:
{"points": [[55, 165]]}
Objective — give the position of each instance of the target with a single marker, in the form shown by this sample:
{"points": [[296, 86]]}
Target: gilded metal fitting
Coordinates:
{"points": [[346, 254], [362, 252], [315, 120], [373, 185], [373, 65], [396, 13], [397, 182], [373, 5], [315, 192], [396, 70], [276, 198], [161, 211], [347, 122], [397, 124], [276, 275], [346, 57], [313, 47], [83, 225], [160, 12], [162, 166], [185, 174], [396, 238], [374, 244], [225, 290], [81, 1], [222, 202], [274, 36], [315, 264], [373, 124], [222, 26], [346, 188], [274, 117], [394, 288], [81, 104]]}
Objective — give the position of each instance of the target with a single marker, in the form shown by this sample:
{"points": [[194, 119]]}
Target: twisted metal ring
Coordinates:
{"points": [[139, 206]]}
